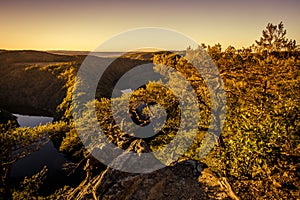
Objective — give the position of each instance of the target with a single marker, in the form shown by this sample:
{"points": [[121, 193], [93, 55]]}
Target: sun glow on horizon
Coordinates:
{"points": [[83, 26]]}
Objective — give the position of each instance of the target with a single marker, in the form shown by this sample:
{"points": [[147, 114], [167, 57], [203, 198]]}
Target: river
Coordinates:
{"points": [[48, 156], [32, 121]]}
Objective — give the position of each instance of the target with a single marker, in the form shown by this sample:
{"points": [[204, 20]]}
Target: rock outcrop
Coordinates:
{"points": [[182, 180], [185, 179]]}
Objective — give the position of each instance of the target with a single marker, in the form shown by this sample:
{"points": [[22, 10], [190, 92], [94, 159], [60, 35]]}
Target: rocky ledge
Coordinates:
{"points": [[184, 179]]}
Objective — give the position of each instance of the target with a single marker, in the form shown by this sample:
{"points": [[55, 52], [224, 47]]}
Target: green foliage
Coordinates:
{"points": [[259, 146], [29, 186], [65, 107], [261, 136], [71, 144], [258, 150], [18, 142]]}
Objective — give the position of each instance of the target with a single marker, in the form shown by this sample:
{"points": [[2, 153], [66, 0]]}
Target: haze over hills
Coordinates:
{"points": [[105, 54], [85, 53]]}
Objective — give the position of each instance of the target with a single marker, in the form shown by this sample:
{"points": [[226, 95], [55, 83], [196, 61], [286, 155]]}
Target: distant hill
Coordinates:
{"points": [[30, 81], [85, 53], [28, 56], [32, 90], [112, 54]]}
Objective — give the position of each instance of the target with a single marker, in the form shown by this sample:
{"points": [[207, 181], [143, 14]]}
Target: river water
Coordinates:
{"points": [[31, 121], [48, 156]]}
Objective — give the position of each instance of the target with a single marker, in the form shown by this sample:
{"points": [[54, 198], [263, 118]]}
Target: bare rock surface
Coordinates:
{"points": [[185, 179]]}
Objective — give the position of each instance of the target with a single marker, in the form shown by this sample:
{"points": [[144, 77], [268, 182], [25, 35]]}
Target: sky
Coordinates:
{"points": [[84, 25]]}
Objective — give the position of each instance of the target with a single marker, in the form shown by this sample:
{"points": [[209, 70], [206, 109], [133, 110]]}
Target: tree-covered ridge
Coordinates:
{"points": [[257, 152]]}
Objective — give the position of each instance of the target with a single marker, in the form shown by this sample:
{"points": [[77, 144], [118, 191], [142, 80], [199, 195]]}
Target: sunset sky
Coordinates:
{"points": [[83, 25]]}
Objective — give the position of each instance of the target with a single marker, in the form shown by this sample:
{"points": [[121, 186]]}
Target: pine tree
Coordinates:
{"points": [[274, 39]]}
